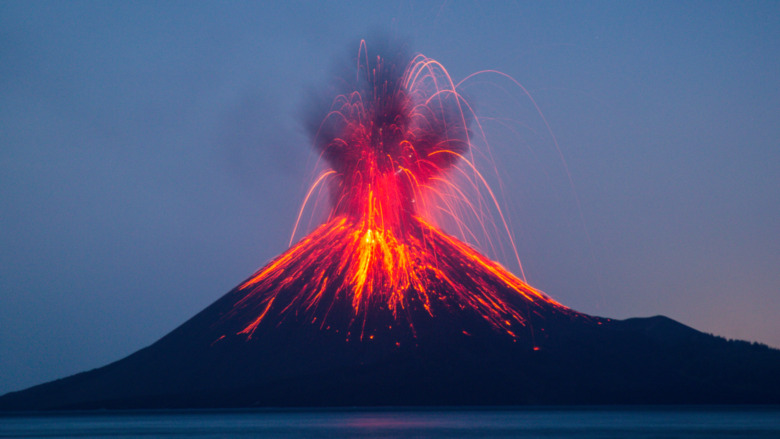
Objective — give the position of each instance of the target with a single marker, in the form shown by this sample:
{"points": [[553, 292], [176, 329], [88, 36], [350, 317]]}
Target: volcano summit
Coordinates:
{"points": [[378, 306]]}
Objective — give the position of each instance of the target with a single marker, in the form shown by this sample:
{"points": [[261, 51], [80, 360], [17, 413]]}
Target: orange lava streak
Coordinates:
{"points": [[376, 269]]}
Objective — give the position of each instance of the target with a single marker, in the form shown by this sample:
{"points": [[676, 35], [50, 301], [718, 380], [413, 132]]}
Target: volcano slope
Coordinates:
{"points": [[268, 343]]}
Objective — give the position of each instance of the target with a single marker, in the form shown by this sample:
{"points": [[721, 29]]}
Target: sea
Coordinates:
{"points": [[533, 422]]}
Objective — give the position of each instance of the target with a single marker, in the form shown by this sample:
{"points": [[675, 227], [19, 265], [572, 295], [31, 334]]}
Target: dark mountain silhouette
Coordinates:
{"points": [[436, 353], [377, 307]]}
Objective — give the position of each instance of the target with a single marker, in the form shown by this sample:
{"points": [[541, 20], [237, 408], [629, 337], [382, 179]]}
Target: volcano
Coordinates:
{"points": [[451, 354], [378, 306]]}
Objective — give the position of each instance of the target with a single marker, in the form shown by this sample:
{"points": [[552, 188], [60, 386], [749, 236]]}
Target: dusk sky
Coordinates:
{"points": [[153, 156]]}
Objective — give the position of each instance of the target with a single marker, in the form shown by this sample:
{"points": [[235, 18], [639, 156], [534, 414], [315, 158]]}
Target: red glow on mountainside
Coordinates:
{"points": [[389, 137]]}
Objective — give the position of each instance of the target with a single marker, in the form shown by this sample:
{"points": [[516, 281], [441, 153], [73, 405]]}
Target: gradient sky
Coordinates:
{"points": [[152, 156]]}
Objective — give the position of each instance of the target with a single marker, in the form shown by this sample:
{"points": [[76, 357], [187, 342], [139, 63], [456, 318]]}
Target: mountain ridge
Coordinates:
{"points": [[708, 375]]}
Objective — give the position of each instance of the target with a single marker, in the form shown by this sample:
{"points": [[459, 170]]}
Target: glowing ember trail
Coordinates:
{"points": [[389, 136]]}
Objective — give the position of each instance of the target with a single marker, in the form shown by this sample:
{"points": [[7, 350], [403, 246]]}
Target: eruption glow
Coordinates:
{"points": [[389, 137]]}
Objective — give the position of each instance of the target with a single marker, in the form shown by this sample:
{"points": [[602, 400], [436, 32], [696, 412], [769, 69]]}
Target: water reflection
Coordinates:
{"points": [[523, 423]]}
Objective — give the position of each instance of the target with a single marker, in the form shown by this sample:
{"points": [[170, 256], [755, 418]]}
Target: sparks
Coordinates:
{"points": [[389, 138]]}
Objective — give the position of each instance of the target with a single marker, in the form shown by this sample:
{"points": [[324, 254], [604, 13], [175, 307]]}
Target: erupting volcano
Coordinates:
{"points": [[380, 306], [390, 137]]}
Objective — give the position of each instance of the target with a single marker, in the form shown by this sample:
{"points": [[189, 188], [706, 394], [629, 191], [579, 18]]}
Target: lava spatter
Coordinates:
{"points": [[389, 137]]}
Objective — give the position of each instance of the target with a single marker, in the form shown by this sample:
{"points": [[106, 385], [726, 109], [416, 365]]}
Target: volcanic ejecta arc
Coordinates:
{"points": [[391, 135]]}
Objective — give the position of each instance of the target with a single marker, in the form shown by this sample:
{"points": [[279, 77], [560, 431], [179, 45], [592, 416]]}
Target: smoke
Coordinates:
{"points": [[389, 121]]}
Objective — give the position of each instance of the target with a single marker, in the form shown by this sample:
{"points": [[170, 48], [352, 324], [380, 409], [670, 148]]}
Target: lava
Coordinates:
{"points": [[389, 137]]}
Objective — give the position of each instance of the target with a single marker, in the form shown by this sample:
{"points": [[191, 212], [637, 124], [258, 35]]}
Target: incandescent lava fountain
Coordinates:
{"points": [[389, 134]]}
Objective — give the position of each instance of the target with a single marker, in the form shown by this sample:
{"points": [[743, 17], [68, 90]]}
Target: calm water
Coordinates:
{"points": [[522, 423]]}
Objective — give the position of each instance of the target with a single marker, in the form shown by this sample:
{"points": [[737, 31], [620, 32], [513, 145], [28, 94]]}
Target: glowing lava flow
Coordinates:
{"points": [[380, 271], [389, 136]]}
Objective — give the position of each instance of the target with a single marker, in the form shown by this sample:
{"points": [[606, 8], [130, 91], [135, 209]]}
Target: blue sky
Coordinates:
{"points": [[152, 156]]}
